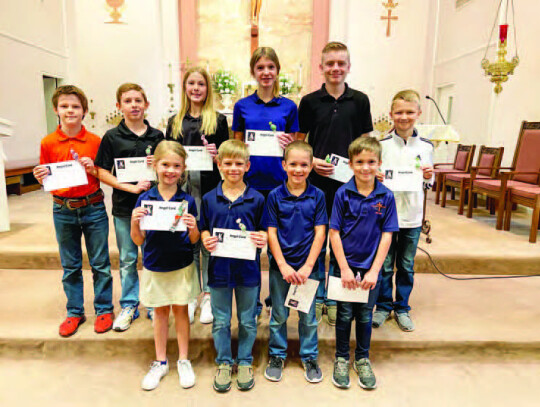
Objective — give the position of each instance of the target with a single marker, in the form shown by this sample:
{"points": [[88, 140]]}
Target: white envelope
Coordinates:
{"points": [[300, 297], [264, 143], [161, 216], [337, 292], [409, 179], [234, 244], [133, 169], [198, 159], [64, 174], [342, 171]]}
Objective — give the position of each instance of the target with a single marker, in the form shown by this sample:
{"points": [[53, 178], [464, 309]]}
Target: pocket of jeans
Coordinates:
{"points": [[57, 208], [98, 204]]}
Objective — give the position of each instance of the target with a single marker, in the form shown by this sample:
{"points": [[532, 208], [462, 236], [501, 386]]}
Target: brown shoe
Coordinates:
{"points": [[71, 325]]}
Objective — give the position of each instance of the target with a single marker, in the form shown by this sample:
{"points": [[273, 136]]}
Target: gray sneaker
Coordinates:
{"points": [[222, 379], [366, 377], [312, 371], [340, 377], [404, 321], [379, 318], [274, 369], [245, 380]]}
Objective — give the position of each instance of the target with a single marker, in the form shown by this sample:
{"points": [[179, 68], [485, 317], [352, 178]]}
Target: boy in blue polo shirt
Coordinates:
{"points": [[233, 205], [363, 219], [296, 214]]}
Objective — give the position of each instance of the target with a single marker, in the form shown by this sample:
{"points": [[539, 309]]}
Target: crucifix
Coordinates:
{"points": [[390, 5], [255, 14]]}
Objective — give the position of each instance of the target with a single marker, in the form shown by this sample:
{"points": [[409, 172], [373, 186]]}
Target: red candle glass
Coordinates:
{"points": [[503, 32]]}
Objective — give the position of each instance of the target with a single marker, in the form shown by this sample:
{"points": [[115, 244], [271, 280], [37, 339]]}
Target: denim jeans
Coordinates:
{"points": [[307, 324], [199, 251], [401, 253], [363, 314], [128, 253], [92, 222], [246, 308], [320, 274]]}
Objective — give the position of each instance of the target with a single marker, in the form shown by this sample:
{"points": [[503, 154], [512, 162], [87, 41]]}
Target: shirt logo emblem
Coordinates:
{"points": [[378, 208]]}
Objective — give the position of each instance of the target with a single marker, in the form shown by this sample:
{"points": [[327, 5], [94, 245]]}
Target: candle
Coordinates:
{"points": [[503, 32]]}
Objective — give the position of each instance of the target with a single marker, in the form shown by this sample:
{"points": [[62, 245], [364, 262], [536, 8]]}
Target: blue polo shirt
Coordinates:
{"points": [[251, 113], [164, 250], [295, 218], [361, 221], [217, 211]]}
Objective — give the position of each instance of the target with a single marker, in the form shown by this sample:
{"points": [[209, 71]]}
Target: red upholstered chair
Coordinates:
{"points": [[523, 173], [462, 163], [489, 160]]}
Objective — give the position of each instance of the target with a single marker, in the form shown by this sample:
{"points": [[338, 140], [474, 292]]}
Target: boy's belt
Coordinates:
{"points": [[76, 203]]}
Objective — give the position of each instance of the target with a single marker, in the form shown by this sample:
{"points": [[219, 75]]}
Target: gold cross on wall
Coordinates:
{"points": [[390, 5]]}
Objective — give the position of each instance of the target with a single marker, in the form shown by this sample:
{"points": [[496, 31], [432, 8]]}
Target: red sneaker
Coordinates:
{"points": [[103, 323], [70, 325]]}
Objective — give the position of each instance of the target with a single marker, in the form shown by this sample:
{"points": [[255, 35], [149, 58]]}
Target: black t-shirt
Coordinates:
{"points": [[192, 137], [331, 126], [121, 142]]}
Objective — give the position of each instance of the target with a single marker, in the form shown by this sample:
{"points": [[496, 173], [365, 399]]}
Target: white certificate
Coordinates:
{"points": [[264, 142], [342, 171], [198, 159], [64, 174], [161, 216], [133, 169], [300, 297], [337, 292], [403, 178], [234, 244]]}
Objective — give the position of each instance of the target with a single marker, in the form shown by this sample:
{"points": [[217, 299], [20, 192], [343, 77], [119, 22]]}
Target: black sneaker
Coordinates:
{"points": [[312, 371], [274, 369]]}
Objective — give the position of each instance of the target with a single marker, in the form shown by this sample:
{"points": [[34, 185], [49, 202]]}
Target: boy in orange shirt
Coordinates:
{"points": [[78, 210]]}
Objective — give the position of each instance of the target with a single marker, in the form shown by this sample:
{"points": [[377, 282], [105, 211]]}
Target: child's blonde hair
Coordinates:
{"points": [[270, 53], [407, 95], [365, 143], [208, 114], [126, 87], [335, 46], [168, 146], [233, 149], [298, 145]]}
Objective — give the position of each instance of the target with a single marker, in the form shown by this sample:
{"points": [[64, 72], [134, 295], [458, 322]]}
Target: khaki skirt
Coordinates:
{"points": [[178, 287]]}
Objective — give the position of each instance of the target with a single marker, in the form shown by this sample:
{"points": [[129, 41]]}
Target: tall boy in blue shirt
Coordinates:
{"points": [[233, 205], [363, 219], [296, 215]]}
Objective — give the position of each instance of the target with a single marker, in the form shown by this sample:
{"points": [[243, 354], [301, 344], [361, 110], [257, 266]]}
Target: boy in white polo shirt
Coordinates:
{"points": [[403, 147]]}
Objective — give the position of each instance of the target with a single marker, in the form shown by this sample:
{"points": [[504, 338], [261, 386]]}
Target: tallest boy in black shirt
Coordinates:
{"points": [[332, 117]]}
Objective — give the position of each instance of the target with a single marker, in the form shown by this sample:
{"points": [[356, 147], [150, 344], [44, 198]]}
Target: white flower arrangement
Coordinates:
{"points": [[287, 85], [225, 83]]}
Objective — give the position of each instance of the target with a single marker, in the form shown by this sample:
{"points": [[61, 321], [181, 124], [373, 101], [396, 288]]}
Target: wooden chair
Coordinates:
{"points": [[489, 159], [523, 172], [462, 163]]}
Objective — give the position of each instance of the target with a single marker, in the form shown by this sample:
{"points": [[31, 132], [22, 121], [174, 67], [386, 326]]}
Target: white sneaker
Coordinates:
{"points": [[206, 310], [192, 306], [155, 374], [125, 318], [186, 375]]}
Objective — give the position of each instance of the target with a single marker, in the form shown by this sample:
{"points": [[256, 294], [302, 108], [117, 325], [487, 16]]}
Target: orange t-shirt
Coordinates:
{"points": [[57, 146]]}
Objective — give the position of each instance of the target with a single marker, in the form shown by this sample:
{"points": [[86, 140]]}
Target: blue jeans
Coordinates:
{"points": [[202, 269], [320, 274], [128, 253], [92, 222], [246, 309], [401, 253], [307, 325], [363, 314]]}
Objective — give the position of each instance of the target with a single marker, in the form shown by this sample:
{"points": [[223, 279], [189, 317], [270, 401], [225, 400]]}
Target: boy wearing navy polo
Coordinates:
{"points": [[331, 118], [296, 215], [363, 219], [233, 205]]}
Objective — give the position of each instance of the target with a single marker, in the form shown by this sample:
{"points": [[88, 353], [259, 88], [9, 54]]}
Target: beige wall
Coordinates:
{"points": [[31, 45]]}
